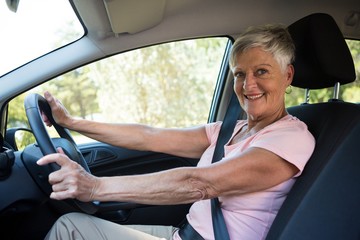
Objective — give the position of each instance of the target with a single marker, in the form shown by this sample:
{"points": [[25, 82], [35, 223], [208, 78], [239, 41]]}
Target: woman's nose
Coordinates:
{"points": [[249, 82]]}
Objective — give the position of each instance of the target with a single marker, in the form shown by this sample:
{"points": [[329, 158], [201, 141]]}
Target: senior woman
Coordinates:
{"points": [[262, 159]]}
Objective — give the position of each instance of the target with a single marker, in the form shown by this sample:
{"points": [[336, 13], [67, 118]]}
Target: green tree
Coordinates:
{"points": [[17, 116], [352, 91], [164, 85], [77, 91]]}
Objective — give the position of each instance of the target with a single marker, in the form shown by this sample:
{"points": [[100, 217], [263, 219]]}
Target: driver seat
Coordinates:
{"points": [[324, 203]]}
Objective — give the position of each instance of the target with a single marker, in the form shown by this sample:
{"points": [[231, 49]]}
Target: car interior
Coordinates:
{"points": [[323, 203]]}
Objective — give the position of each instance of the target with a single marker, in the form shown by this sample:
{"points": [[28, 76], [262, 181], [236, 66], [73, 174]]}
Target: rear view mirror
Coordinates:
{"points": [[13, 5]]}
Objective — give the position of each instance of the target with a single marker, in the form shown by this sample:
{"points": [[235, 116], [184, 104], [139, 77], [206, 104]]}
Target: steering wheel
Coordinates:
{"points": [[34, 105]]}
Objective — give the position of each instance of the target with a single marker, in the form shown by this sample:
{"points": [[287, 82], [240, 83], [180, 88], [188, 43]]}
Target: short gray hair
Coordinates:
{"points": [[274, 39]]}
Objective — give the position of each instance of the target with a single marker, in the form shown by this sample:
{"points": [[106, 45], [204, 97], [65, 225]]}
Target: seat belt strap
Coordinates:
{"points": [[227, 127], [187, 232], [226, 130]]}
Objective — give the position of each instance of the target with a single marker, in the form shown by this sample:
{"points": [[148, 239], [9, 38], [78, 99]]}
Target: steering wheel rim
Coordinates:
{"points": [[34, 105]]}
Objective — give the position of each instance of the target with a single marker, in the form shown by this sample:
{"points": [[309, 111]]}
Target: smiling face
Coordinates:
{"points": [[260, 84]]}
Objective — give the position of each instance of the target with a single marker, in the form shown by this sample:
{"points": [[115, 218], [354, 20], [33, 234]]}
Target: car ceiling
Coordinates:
{"points": [[194, 18]]}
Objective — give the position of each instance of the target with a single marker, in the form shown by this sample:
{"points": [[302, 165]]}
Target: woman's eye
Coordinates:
{"points": [[240, 75], [261, 72]]}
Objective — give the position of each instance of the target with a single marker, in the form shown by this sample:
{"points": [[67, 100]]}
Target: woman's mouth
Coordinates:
{"points": [[254, 96]]}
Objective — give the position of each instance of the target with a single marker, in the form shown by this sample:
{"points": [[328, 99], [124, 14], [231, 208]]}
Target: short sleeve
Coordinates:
{"points": [[212, 131], [289, 139]]}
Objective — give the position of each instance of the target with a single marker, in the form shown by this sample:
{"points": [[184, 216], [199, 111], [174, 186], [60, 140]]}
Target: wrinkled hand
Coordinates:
{"points": [[71, 180], [59, 112]]}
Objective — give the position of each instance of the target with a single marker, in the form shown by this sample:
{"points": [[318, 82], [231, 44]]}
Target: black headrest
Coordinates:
{"points": [[322, 55]]}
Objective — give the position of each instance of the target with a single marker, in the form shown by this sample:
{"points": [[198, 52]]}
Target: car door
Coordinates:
{"points": [[166, 85]]}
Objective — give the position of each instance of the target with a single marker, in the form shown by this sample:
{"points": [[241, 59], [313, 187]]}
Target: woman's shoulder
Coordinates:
{"points": [[289, 121], [288, 127]]}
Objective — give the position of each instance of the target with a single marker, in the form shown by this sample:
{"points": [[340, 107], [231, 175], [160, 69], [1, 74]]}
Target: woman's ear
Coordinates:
{"points": [[290, 71]]}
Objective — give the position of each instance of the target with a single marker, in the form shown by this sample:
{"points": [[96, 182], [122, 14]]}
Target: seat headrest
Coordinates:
{"points": [[322, 55]]}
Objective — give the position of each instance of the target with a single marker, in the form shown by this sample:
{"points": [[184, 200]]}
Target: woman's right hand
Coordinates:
{"points": [[59, 112]]}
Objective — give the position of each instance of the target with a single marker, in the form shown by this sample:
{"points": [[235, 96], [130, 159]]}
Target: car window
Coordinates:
{"points": [[167, 85], [349, 92], [33, 29]]}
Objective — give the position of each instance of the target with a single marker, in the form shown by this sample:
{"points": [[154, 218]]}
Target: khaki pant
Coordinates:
{"points": [[82, 226]]}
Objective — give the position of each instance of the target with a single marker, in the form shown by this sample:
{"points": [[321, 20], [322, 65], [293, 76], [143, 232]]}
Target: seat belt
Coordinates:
{"points": [[187, 232], [226, 130]]}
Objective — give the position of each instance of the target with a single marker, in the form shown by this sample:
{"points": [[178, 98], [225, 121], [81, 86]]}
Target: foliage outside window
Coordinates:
{"points": [[167, 85], [349, 92]]}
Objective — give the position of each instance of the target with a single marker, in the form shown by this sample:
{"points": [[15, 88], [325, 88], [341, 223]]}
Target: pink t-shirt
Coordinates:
{"points": [[249, 216]]}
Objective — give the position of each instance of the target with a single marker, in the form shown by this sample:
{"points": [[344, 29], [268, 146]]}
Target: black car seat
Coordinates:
{"points": [[324, 203]]}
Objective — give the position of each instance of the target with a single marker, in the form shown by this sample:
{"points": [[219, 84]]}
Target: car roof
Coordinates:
{"points": [[179, 19]]}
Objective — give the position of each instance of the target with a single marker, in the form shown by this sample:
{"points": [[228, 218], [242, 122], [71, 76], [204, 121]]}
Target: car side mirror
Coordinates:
{"points": [[19, 138]]}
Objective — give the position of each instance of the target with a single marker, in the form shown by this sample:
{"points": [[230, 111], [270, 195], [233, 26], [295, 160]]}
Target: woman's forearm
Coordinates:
{"points": [[132, 136], [188, 142], [176, 186]]}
